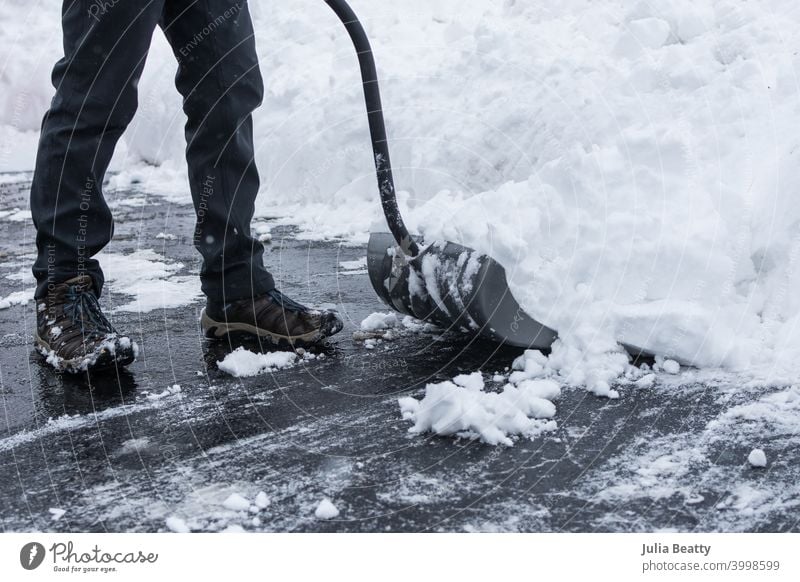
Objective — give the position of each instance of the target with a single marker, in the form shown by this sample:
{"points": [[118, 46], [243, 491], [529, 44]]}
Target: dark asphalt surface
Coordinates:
{"points": [[125, 460]]}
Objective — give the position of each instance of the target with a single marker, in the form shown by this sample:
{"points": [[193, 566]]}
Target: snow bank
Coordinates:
{"points": [[463, 408], [242, 363], [632, 165], [659, 210]]}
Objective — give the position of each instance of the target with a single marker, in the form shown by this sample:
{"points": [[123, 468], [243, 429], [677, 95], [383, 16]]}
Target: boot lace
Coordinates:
{"points": [[82, 307], [287, 303]]}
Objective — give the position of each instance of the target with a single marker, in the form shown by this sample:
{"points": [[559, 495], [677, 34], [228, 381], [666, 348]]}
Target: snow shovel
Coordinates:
{"points": [[444, 283]]}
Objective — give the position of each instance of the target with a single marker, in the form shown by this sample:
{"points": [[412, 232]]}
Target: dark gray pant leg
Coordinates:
{"points": [[105, 46], [219, 78]]}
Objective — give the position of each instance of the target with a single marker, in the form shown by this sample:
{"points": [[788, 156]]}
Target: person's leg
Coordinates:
{"points": [[105, 45], [219, 79]]}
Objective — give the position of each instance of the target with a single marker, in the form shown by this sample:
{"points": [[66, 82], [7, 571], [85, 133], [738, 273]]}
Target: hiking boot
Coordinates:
{"points": [[73, 334], [273, 317]]}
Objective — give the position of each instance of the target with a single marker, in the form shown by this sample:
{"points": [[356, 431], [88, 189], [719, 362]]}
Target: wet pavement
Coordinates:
{"points": [[119, 452]]}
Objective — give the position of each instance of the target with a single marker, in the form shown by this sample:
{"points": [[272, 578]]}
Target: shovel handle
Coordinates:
{"points": [[377, 127]]}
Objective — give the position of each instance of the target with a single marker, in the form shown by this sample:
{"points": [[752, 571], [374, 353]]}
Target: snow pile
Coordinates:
{"points": [[659, 210], [243, 363], [632, 165], [596, 368], [463, 408], [378, 321]]}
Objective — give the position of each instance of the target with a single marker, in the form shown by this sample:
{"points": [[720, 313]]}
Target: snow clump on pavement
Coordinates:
{"points": [[462, 407], [242, 363], [236, 502], [177, 525], [326, 510], [757, 458]]}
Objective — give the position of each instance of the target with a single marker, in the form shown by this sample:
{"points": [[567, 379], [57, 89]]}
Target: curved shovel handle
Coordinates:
{"points": [[377, 127]]}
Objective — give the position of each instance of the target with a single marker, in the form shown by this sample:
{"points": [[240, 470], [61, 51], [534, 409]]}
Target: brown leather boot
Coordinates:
{"points": [[73, 334], [273, 317]]}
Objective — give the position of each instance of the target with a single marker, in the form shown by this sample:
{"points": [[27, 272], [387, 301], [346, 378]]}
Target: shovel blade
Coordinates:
{"points": [[454, 287]]}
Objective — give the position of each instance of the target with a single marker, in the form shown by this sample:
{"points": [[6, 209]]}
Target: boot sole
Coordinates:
{"points": [[217, 330], [105, 360]]}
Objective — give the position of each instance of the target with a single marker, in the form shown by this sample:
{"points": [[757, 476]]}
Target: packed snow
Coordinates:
{"points": [[84, 362], [387, 326], [176, 525], [358, 266], [378, 321], [242, 362], [326, 510], [263, 232], [15, 215], [262, 501], [16, 298], [757, 458], [462, 407], [150, 279], [56, 513], [632, 165], [174, 390], [134, 446], [236, 502]]}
